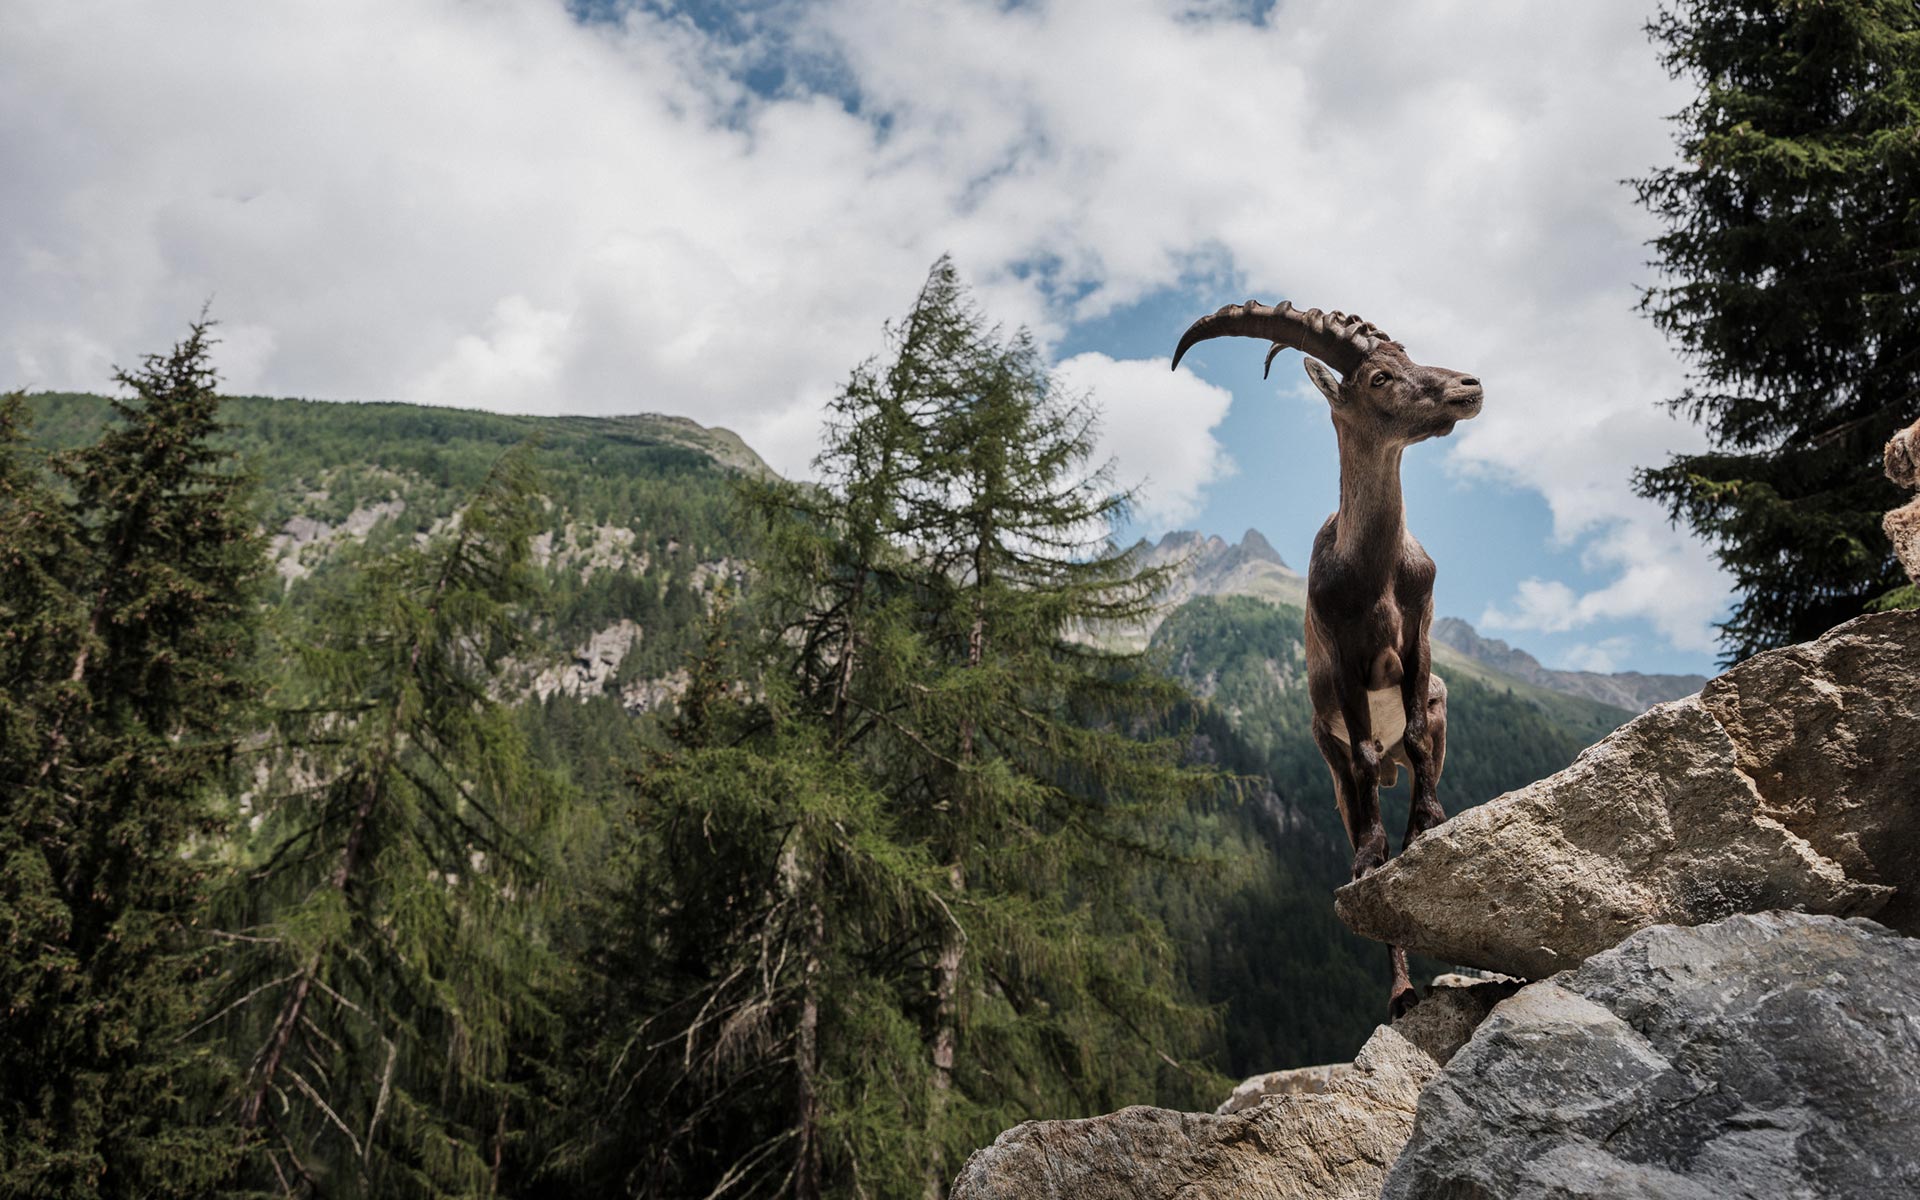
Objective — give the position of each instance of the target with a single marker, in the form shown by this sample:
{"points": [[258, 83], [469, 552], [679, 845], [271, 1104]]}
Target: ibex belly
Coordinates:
{"points": [[1388, 714]]}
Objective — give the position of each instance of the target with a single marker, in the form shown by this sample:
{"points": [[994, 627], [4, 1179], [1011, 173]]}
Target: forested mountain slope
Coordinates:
{"points": [[641, 532]]}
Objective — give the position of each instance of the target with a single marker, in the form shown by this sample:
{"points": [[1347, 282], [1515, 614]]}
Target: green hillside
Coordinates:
{"points": [[641, 530]]}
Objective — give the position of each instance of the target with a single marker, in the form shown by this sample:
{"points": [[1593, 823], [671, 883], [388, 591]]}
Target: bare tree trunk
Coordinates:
{"points": [[946, 984], [946, 1028], [806, 1183], [291, 1012]]}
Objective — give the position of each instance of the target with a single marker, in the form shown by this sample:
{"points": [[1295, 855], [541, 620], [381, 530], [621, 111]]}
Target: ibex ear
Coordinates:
{"points": [[1324, 379]]}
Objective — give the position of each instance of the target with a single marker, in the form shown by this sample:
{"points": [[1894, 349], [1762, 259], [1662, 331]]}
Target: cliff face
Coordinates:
{"points": [[1714, 1014]]}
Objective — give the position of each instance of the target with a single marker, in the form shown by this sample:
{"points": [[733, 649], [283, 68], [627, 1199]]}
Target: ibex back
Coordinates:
{"points": [[1376, 702]]}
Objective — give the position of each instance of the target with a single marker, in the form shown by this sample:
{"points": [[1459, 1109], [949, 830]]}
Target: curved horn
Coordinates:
{"points": [[1338, 339]]}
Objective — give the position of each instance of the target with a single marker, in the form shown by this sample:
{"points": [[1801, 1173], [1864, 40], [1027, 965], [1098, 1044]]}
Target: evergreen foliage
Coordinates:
{"points": [[1791, 260], [128, 608], [945, 796], [912, 859], [386, 956]]}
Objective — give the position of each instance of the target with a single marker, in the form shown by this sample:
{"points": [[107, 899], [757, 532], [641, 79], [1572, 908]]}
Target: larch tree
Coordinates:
{"points": [[881, 887], [1790, 263], [127, 617], [960, 662], [386, 949]]}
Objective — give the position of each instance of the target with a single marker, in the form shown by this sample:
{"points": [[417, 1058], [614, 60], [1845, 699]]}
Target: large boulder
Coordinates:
{"points": [[1334, 1143], [1759, 1056], [1791, 782]]}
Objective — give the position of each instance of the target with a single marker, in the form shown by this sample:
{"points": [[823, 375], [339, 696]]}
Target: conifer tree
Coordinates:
{"points": [[751, 1030], [128, 609], [1791, 260], [879, 887], [386, 955], [945, 593]]}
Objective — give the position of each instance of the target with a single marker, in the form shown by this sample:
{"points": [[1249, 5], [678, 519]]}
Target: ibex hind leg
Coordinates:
{"points": [[1401, 997]]}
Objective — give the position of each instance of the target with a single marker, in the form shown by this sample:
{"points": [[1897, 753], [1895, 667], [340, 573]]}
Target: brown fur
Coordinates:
{"points": [[1369, 583]]}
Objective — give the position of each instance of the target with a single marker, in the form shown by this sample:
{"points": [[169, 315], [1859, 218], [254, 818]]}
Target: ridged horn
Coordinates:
{"points": [[1335, 338]]}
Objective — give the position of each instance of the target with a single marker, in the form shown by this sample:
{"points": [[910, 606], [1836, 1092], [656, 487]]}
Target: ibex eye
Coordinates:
{"points": [[1380, 377]]}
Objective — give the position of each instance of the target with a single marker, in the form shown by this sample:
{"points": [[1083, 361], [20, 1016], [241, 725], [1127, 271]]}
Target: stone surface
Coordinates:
{"points": [[1903, 524], [1295, 1081], [1336, 1142], [1790, 782], [1771, 1055]]}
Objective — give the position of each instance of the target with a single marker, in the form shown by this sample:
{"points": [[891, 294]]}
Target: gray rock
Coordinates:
{"points": [[1768, 1055], [1790, 782], [1336, 1142]]}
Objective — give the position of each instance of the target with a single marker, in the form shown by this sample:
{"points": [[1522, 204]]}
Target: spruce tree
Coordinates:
{"points": [[1791, 260], [128, 610], [386, 954]]}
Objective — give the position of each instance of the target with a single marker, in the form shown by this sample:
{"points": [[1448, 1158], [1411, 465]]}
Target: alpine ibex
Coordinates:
{"points": [[1376, 703]]}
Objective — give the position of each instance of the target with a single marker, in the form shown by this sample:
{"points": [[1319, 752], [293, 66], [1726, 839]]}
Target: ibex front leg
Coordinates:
{"points": [[1362, 756], [1419, 691]]}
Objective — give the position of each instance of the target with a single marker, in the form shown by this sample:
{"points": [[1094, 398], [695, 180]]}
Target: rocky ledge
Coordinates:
{"points": [[1715, 1016], [1789, 783], [1335, 1143]]}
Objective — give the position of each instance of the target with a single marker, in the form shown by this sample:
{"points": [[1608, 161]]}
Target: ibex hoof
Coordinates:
{"points": [[1370, 857], [1425, 817], [1402, 1001]]}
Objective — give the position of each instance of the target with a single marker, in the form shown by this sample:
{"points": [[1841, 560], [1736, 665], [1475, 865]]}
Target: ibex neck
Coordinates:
{"points": [[1372, 513]]}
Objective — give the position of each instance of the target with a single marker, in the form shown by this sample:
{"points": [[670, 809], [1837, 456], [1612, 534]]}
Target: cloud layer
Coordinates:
{"points": [[491, 203]]}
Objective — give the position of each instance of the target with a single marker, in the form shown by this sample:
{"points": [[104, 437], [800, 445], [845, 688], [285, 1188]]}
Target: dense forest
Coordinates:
{"points": [[412, 801]]}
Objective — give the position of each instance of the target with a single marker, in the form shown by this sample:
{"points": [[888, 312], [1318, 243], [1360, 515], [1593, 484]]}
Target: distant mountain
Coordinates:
{"points": [[1631, 690], [1212, 566], [1209, 565]]}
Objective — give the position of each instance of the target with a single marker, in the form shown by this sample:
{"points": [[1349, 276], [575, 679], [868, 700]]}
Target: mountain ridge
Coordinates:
{"points": [[1209, 565]]}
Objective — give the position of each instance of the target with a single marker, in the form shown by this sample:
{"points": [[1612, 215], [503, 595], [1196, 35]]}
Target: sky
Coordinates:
{"points": [[712, 209]]}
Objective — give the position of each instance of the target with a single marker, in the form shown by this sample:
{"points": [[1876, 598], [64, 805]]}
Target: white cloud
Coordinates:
{"points": [[1158, 430], [488, 203], [1604, 656], [1544, 605], [1655, 580]]}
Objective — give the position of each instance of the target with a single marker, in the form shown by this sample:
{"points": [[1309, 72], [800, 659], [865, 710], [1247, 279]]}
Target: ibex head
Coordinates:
{"points": [[1379, 392]]}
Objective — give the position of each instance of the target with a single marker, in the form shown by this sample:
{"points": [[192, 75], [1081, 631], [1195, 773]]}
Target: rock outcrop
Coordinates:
{"points": [[1903, 524], [1335, 1143], [1791, 782], [1721, 1019], [1758, 1056]]}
